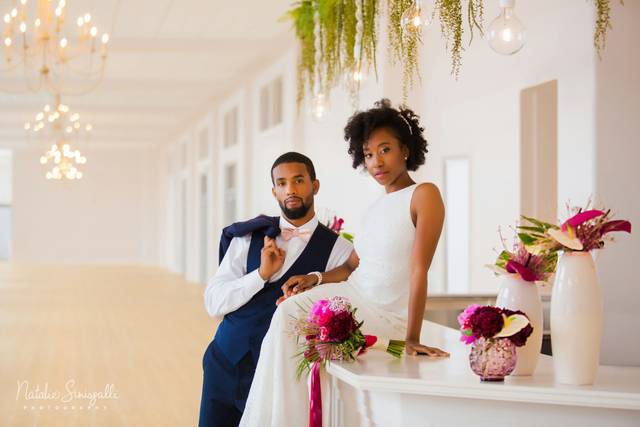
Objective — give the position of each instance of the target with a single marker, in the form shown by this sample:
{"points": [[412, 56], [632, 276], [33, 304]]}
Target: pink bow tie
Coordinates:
{"points": [[288, 233]]}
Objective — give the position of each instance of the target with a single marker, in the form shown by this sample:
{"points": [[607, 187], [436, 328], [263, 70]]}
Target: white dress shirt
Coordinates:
{"points": [[231, 287]]}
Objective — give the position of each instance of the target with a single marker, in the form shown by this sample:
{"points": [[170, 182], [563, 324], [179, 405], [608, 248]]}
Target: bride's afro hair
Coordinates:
{"points": [[404, 124]]}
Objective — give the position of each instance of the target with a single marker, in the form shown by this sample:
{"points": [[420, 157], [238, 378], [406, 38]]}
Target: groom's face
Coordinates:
{"points": [[294, 189]]}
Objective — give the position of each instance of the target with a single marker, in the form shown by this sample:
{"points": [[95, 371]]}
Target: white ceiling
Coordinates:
{"points": [[167, 60]]}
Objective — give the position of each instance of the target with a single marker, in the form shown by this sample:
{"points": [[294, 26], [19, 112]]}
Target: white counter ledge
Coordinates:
{"points": [[450, 392]]}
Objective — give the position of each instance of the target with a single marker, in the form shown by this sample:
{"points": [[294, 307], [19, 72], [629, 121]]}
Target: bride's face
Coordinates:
{"points": [[384, 156]]}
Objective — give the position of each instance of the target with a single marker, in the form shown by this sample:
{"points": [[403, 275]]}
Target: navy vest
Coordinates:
{"points": [[243, 330]]}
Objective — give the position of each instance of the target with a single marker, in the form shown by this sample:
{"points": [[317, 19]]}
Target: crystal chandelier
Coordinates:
{"points": [[57, 120], [58, 123], [47, 54], [64, 161]]}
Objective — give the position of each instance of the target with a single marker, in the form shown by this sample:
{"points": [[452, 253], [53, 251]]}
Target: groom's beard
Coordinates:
{"points": [[295, 213]]}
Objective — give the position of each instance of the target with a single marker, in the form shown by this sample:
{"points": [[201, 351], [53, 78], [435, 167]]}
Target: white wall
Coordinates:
{"points": [[107, 217], [617, 177]]}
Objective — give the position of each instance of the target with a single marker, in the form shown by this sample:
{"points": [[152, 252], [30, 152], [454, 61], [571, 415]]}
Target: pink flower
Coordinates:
{"points": [[320, 312], [526, 274], [580, 218], [463, 318], [468, 339]]}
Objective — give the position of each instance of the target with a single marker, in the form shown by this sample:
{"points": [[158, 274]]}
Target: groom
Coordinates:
{"points": [[257, 257]]}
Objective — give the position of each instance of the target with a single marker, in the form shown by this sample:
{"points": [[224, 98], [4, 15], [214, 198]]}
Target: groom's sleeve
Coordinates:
{"points": [[231, 287], [340, 253]]}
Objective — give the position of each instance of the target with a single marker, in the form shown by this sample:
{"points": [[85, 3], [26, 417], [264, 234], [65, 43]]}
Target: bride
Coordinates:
{"points": [[385, 277]]}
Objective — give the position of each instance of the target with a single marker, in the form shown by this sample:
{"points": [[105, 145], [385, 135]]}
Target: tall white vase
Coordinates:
{"points": [[576, 319], [518, 294]]}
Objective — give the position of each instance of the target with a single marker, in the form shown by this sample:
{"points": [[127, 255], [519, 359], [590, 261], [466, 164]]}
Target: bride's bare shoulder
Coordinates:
{"points": [[427, 191], [426, 197]]}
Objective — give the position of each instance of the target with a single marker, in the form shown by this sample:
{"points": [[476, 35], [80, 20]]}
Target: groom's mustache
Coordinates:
{"points": [[292, 199]]}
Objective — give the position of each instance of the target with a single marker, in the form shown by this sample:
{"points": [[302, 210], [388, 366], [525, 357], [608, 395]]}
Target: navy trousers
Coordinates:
{"points": [[218, 407]]}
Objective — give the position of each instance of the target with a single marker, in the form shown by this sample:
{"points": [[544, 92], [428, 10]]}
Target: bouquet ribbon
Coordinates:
{"points": [[315, 396], [315, 388]]}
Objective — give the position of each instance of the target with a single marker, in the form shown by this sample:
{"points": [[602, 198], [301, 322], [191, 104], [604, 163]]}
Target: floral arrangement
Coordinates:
{"points": [[530, 267], [335, 224], [331, 332], [584, 231], [491, 323]]}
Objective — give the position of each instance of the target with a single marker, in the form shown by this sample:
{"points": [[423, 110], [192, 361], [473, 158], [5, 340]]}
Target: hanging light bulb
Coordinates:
{"points": [[319, 106], [356, 74], [506, 33], [415, 18]]}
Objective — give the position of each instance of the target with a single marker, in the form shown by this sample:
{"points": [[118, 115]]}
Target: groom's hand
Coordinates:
{"points": [[298, 284], [271, 259]]}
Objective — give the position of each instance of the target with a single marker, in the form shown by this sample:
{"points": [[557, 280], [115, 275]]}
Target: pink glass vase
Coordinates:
{"points": [[493, 359]]}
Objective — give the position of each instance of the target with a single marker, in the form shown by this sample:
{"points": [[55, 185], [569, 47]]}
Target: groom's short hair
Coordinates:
{"points": [[293, 157]]}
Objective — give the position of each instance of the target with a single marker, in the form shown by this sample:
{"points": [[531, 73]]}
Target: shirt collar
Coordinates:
{"points": [[309, 225]]}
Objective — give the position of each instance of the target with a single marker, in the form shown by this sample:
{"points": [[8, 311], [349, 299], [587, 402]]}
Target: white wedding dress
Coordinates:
{"points": [[378, 288]]}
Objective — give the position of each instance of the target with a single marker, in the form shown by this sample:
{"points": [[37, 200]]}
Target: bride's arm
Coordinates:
{"points": [[427, 212], [298, 284]]}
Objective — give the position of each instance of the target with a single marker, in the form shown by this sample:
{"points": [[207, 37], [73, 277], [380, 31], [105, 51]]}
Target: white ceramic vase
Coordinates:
{"points": [[518, 294], [576, 319]]}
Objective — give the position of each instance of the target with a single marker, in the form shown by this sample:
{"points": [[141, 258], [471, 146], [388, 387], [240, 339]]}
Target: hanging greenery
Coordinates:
{"points": [[369, 36], [302, 17], [403, 45], [603, 24], [338, 31], [450, 12]]}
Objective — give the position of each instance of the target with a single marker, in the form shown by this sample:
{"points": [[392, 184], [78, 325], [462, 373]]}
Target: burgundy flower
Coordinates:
{"points": [[486, 321], [341, 326], [520, 338]]}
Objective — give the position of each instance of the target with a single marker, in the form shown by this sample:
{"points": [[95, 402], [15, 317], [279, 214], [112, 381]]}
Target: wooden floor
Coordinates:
{"points": [[131, 337]]}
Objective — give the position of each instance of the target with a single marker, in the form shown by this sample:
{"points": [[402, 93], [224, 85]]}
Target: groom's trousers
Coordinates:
{"points": [[225, 388]]}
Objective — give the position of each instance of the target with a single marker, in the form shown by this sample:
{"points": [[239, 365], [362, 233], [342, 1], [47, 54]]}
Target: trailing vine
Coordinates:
{"points": [[403, 45], [302, 17], [603, 24], [450, 12], [369, 36]]}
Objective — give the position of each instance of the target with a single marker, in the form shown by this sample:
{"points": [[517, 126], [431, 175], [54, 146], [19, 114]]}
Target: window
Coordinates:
{"points": [[203, 144], [539, 151], [230, 136], [264, 108], [184, 155], [230, 194], [5, 204], [204, 229], [271, 104], [457, 238], [183, 226]]}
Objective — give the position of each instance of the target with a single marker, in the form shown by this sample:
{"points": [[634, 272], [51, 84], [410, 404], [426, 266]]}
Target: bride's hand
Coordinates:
{"points": [[298, 284], [414, 348]]}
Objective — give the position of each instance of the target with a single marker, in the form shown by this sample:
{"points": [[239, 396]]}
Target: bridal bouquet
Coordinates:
{"points": [[330, 331]]}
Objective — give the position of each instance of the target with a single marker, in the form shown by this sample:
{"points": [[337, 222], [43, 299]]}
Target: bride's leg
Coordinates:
{"points": [[277, 397]]}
